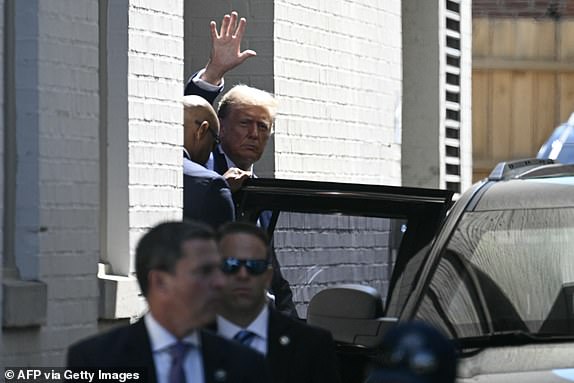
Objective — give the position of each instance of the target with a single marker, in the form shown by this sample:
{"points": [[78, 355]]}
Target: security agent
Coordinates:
{"points": [[178, 270], [206, 194], [295, 351]]}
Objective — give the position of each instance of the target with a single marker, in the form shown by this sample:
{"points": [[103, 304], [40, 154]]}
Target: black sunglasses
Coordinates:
{"points": [[216, 139], [253, 266]]}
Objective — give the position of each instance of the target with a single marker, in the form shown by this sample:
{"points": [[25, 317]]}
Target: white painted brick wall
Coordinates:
{"points": [[68, 103], [337, 68], [67, 89], [338, 79], [67, 201], [155, 68]]}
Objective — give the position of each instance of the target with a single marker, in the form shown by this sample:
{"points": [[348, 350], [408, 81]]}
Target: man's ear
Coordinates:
{"points": [[158, 281], [202, 130]]}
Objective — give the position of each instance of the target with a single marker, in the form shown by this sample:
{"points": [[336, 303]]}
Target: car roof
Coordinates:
{"points": [[532, 193], [529, 183]]}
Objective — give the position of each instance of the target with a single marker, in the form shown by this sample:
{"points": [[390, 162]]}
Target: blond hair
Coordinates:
{"points": [[245, 95]]}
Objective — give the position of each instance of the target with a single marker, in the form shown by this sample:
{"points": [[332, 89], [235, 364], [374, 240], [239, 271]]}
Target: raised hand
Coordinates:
{"points": [[226, 48]]}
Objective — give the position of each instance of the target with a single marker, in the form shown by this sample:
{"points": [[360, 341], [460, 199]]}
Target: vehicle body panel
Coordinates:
{"points": [[528, 363]]}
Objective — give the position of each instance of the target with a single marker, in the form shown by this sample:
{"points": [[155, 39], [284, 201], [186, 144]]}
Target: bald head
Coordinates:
{"points": [[201, 125]]}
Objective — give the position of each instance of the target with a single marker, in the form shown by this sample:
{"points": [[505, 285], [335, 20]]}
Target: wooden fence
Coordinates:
{"points": [[523, 87]]}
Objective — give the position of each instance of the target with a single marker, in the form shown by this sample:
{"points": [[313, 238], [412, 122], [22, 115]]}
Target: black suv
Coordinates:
{"points": [[496, 274]]}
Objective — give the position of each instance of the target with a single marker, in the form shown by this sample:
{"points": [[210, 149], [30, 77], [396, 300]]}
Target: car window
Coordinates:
{"points": [[566, 155], [317, 251], [505, 271]]}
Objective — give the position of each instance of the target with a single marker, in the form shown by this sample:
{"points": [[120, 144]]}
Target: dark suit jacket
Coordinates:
{"points": [[299, 353], [129, 346], [192, 89], [206, 195]]}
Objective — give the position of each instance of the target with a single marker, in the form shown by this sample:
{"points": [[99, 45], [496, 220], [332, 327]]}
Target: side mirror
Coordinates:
{"points": [[353, 314]]}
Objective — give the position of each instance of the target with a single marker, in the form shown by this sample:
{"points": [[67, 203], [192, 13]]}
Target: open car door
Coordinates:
{"points": [[343, 248], [418, 212]]}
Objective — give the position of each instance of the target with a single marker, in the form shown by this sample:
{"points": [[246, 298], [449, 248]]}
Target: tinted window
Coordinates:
{"points": [[504, 271], [317, 251]]}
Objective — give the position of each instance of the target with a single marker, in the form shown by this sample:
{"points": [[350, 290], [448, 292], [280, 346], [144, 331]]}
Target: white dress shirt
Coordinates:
{"points": [[161, 340], [259, 327], [230, 164], [204, 84]]}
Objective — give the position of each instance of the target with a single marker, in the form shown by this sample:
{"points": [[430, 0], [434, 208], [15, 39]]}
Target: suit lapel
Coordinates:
{"points": [[279, 345], [219, 161], [138, 350], [214, 366]]}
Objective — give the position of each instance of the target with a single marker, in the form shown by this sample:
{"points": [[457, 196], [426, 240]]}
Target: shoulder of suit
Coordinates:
{"points": [[193, 169], [107, 340]]}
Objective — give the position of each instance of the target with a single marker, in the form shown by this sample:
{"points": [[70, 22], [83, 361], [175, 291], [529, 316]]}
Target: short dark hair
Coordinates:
{"points": [[161, 247], [243, 228]]}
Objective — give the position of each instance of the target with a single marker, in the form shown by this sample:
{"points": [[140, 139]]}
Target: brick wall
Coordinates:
{"points": [[338, 80], [58, 98], [68, 171], [155, 114], [338, 77], [318, 251], [554, 9], [57, 127]]}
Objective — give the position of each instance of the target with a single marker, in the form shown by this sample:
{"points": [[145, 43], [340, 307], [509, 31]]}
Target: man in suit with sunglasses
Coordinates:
{"points": [[295, 352]]}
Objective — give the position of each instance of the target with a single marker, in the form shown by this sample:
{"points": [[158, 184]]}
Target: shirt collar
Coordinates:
{"points": [[259, 325], [161, 339], [230, 163], [186, 154]]}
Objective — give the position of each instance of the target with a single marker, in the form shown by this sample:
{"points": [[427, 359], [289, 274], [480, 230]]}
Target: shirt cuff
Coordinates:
{"points": [[204, 84]]}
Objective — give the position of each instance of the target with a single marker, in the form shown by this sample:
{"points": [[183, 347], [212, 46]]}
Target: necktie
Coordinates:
{"points": [[176, 371], [219, 162], [244, 337]]}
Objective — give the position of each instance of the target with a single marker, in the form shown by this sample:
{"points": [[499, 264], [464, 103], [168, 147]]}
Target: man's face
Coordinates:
{"points": [[242, 291], [244, 134], [194, 288]]}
